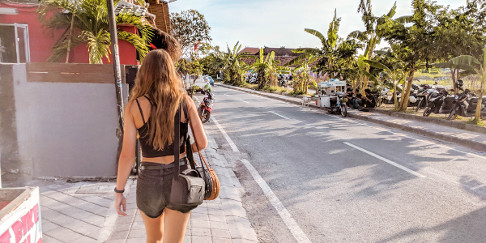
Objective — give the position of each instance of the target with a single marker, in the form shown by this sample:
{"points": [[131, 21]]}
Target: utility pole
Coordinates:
{"points": [[117, 71]]}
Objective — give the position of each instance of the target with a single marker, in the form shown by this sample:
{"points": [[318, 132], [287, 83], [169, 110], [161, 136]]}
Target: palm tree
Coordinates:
{"points": [[86, 22], [334, 50]]}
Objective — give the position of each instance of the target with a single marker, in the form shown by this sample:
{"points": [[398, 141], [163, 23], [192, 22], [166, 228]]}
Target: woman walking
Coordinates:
{"points": [[155, 100]]}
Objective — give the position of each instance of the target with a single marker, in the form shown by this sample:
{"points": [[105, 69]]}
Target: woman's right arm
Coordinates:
{"points": [[127, 158], [196, 126]]}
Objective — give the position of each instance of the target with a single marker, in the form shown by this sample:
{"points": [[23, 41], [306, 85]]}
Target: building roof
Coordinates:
{"points": [[282, 55], [282, 51], [250, 50]]}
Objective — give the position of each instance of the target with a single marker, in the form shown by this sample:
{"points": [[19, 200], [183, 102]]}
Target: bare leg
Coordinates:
{"points": [[175, 224], [154, 228]]}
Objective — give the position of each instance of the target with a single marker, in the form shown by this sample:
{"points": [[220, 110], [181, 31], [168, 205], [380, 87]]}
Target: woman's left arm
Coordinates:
{"points": [[196, 126]]}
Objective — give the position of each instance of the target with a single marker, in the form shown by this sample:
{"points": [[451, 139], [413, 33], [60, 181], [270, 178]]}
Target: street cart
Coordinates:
{"points": [[332, 96]]}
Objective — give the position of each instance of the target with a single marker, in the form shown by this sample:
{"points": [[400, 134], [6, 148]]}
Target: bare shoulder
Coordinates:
{"points": [[189, 102]]}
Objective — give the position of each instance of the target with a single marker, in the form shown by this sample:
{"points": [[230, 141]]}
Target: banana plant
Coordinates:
{"points": [[372, 35], [470, 63], [395, 74], [266, 68], [233, 67], [303, 68]]}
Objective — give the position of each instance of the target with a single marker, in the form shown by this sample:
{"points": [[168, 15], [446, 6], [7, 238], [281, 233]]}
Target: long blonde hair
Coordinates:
{"points": [[158, 80]]}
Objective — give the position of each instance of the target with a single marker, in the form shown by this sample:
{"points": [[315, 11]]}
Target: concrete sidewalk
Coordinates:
{"points": [[463, 134], [84, 212]]}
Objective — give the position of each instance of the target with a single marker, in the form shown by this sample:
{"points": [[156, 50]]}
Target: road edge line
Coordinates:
{"points": [[284, 214]]}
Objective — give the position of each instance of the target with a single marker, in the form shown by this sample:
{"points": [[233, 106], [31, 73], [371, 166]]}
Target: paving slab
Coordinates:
{"points": [[84, 211]]}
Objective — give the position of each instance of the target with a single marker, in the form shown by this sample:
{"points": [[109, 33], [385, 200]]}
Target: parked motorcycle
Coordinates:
{"points": [[341, 105], [439, 102], [204, 109], [465, 105], [422, 96]]}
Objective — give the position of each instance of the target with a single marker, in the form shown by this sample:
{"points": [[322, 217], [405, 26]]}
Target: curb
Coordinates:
{"points": [[448, 138], [434, 120], [463, 142], [265, 94]]}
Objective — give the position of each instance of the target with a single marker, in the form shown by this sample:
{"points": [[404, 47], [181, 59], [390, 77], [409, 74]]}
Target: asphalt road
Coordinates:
{"points": [[343, 180]]}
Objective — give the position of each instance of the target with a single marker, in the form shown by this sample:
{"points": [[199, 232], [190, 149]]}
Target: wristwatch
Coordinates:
{"points": [[119, 191]]}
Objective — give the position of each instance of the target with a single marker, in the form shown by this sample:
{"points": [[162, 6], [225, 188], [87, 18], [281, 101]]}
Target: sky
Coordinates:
{"points": [[278, 23]]}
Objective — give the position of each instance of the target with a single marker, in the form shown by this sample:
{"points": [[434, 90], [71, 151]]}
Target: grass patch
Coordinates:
{"points": [[275, 89], [249, 86], [480, 123]]}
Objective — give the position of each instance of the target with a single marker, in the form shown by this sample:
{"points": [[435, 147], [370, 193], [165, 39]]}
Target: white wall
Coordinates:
{"points": [[66, 129]]}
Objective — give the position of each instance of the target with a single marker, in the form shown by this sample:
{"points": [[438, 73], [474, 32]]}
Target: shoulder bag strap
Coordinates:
{"points": [[201, 158], [176, 146]]}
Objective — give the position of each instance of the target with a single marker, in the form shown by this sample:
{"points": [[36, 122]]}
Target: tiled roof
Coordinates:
{"points": [[250, 50], [282, 51]]}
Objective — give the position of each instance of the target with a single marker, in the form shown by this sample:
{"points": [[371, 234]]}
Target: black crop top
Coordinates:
{"points": [[148, 150]]}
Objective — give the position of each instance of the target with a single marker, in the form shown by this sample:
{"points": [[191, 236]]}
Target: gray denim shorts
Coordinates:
{"points": [[153, 188]]}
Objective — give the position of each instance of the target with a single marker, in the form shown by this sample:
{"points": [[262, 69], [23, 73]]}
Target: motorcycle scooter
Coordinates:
{"points": [[439, 102], [465, 105], [204, 109]]}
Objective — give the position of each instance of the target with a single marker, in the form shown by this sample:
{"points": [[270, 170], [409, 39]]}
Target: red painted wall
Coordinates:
{"points": [[42, 39]]}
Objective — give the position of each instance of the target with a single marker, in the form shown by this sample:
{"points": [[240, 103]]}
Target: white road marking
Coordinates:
{"points": [[294, 228], [385, 160], [230, 142], [282, 211], [275, 113], [245, 101]]}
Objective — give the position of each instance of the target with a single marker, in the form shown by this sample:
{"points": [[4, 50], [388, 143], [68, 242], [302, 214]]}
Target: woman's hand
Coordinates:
{"points": [[120, 204]]}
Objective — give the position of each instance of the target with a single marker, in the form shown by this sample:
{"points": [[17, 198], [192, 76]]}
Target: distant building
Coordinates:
{"points": [[282, 55]]}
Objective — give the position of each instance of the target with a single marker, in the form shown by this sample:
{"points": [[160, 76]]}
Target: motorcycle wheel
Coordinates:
{"points": [[453, 114], [344, 111], [419, 105], [204, 115], [427, 111]]}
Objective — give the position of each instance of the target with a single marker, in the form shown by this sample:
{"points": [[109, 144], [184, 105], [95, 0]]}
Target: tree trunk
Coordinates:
{"points": [[368, 56], [70, 38], [406, 93], [477, 116], [453, 74], [395, 98]]}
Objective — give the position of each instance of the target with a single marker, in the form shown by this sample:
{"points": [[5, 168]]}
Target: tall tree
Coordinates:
{"points": [[86, 22], [452, 26], [191, 29], [412, 42]]}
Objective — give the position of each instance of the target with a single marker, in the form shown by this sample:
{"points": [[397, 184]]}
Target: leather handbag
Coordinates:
{"points": [[188, 187], [209, 175]]}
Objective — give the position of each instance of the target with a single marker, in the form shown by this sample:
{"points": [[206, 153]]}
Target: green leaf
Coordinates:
{"points": [[378, 65], [317, 34]]}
